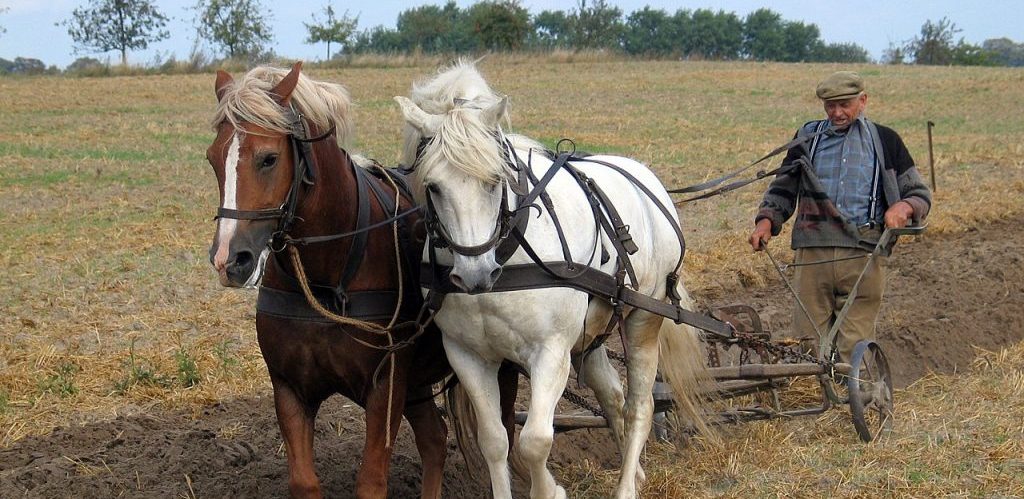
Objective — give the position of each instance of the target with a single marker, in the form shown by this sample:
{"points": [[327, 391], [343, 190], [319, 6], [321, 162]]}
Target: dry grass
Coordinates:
{"points": [[954, 436], [109, 305]]}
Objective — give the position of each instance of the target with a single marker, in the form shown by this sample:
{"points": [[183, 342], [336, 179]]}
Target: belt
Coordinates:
{"points": [[870, 228]]}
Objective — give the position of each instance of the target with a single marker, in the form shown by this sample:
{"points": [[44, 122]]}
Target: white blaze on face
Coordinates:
{"points": [[226, 226]]}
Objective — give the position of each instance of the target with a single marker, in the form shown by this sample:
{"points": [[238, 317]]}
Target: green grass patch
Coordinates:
{"points": [[61, 382], [92, 178], [28, 151], [188, 369], [138, 371]]}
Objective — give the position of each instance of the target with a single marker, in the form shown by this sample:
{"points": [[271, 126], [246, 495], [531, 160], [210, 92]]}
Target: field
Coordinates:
{"points": [[126, 369]]}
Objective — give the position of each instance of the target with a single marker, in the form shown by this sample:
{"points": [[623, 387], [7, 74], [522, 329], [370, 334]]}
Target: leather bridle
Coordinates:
{"points": [[507, 218], [441, 238], [303, 172]]}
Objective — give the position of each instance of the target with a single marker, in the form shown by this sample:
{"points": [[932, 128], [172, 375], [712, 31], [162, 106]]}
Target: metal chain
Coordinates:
{"points": [[581, 401], [783, 351], [612, 354], [744, 340]]}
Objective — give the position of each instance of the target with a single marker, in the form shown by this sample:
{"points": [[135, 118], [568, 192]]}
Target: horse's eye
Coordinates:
{"points": [[268, 161], [433, 189]]}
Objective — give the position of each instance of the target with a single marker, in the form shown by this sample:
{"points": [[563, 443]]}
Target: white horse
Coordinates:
{"points": [[463, 170]]}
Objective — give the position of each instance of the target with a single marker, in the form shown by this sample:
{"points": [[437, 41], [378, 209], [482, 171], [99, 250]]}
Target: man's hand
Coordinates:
{"points": [[897, 215], [762, 234]]}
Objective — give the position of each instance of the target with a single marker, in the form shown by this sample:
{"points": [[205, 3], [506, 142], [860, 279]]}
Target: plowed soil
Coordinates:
{"points": [[947, 296]]}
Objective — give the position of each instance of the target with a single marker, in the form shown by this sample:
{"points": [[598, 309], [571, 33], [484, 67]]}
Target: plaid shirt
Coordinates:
{"points": [[819, 222], [845, 164]]}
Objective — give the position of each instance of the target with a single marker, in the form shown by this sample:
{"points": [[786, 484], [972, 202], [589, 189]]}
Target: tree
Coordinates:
{"points": [[551, 29], [840, 52], [86, 65], [712, 35], [27, 66], [1005, 51], [764, 37], [431, 28], [121, 25], [895, 54], [649, 32], [499, 24], [379, 40], [239, 27], [597, 26], [969, 54], [800, 41], [333, 29], [934, 45]]}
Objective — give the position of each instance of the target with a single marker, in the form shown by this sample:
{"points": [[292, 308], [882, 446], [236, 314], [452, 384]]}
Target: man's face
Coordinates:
{"points": [[842, 113]]}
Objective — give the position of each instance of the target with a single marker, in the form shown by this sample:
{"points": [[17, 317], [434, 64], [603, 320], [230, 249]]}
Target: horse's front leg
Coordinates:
{"points": [[384, 407], [480, 379], [295, 417], [549, 371], [431, 441]]}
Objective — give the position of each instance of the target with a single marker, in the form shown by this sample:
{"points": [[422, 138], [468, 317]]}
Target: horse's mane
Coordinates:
{"points": [[248, 100], [463, 139]]}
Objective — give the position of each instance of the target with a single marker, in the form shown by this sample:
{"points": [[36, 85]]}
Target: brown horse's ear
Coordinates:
{"points": [[283, 91], [221, 87]]}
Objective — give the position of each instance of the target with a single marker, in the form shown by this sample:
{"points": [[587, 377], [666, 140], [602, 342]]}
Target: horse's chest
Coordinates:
{"points": [[507, 325]]}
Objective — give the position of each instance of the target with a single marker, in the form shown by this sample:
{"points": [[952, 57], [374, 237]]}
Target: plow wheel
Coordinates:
{"points": [[870, 389]]}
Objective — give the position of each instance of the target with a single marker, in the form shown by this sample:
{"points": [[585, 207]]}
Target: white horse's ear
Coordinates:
{"points": [[493, 114], [426, 124]]}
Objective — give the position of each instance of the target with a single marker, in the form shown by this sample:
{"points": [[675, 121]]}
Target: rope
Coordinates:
{"points": [[391, 348], [398, 308], [300, 274]]}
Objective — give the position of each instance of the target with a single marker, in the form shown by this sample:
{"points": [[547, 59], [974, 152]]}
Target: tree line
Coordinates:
{"points": [[240, 30], [504, 25]]}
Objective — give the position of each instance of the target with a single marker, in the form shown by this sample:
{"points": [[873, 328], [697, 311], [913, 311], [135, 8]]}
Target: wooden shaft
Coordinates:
{"points": [[931, 154], [753, 371]]}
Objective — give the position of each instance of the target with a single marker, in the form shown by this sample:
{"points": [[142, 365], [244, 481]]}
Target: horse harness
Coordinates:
{"points": [[509, 235], [365, 305]]}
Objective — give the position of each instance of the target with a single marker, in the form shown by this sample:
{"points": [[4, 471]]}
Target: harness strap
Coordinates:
{"points": [[509, 246], [303, 241], [267, 214], [589, 280], [714, 182], [364, 305], [520, 220], [654, 199], [876, 148], [302, 159], [358, 248], [611, 223]]}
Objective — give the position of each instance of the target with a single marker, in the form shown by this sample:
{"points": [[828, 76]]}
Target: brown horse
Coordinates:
{"points": [[295, 207]]}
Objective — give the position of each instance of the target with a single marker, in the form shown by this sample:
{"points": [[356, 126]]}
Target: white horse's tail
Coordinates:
{"points": [[463, 423], [681, 360]]}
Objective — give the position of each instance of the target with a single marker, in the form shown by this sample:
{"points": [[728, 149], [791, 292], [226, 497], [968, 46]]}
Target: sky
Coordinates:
{"points": [[31, 29]]}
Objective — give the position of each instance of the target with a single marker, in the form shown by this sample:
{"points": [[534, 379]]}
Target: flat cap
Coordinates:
{"points": [[840, 85]]}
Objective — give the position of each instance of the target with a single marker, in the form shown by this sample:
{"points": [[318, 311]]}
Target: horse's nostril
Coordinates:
{"points": [[495, 274], [457, 281], [243, 259]]}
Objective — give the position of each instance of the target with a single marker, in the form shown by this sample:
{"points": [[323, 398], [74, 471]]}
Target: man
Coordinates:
{"points": [[846, 183]]}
